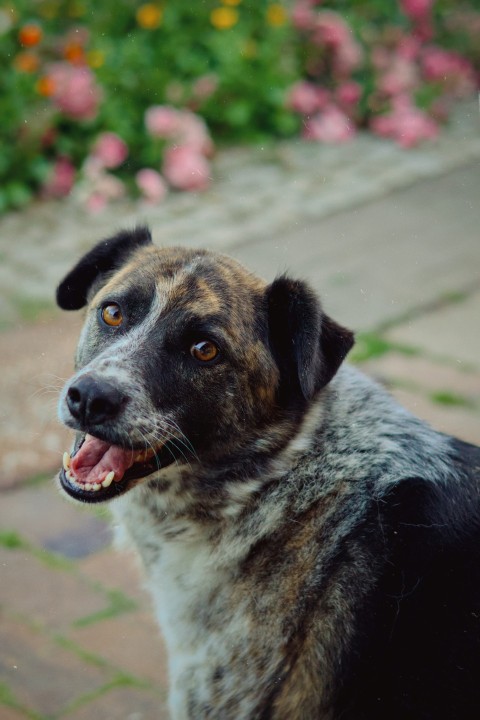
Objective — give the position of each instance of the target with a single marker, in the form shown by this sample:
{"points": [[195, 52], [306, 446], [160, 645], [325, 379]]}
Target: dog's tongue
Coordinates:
{"points": [[95, 459]]}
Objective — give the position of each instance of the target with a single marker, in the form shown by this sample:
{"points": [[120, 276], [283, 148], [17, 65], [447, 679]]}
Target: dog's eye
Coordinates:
{"points": [[204, 351], [112, 315]]}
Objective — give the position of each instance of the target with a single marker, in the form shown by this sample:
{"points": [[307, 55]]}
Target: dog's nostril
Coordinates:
{"points": [[74, 395]]}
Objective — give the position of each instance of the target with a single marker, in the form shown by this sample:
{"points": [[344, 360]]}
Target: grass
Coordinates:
{"points": [[369, 346], [120, 681], [11, 540], [119, 604], [7, 699], [32, 309], [451, 399]]}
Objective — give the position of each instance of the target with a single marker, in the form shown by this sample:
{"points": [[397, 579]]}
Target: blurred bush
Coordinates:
{"points": [[121, 96]]}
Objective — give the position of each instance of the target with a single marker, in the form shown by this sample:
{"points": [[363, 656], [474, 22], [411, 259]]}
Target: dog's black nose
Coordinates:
{"points": [[92, 401]]}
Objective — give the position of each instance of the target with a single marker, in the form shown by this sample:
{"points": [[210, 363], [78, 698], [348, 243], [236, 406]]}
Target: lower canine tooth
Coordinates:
{"points": [[66, 460]]}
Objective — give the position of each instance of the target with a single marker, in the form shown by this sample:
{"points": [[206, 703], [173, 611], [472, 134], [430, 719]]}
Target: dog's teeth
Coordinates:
{"points": [[66, 461], [68, 474], [96, 486], [88, 486], [108, 479]]}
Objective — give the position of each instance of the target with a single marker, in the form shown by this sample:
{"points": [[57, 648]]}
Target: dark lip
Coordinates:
{"points": [[138, 471]]}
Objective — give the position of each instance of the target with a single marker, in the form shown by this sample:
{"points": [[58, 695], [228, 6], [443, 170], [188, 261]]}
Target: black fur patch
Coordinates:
{"points": [[106, 256], [308, 346]]}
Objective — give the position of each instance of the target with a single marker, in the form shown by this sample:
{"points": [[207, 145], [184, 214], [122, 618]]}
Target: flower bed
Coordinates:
{"points": [[125, 97]]}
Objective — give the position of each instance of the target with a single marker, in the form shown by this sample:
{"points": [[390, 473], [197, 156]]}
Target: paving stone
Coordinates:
{"points": [[461, 423], [452, 332], [428, 376], [43, 516], [53, 598], [394, 254], [36, 360], [122, 703], [42, 676], [118, 570], [8, 713], [131, 642]]}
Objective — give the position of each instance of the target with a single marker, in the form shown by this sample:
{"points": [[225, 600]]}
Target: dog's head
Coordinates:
{"points": [[184, 356]]}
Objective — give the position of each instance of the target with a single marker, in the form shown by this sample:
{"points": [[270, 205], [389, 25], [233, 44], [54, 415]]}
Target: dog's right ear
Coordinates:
{"points": [[107, 255]]}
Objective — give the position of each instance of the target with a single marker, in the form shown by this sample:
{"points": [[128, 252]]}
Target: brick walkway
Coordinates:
{"points": [[77, 638]]}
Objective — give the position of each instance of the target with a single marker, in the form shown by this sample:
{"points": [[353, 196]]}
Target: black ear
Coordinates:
{"points": [[308, 346], [106, 256]]}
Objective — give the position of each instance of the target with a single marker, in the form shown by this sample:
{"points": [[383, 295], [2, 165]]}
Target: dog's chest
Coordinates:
{"points": [[226, 622]]}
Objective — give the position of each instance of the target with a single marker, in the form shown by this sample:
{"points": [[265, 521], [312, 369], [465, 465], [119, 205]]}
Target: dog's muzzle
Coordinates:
{"points": [[102, 466]]}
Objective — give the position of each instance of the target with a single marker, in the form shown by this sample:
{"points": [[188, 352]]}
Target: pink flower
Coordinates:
{"points": [[96, 202], [205, 86], [179, 126], [61, 179], [417, 9], [330, 126], [151, 184], [303, 17], [348, 57], [185, 168], [331, 29], [348, 94], [334, 32], [450, 69], [401, 76], [110, 150], [76, 93], [162, 121], [406, 124], [306, 98], [192, 131], [105, 188], [99, 187], [409, 47]]}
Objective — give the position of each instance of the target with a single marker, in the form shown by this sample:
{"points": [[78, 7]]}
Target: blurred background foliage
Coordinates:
{"points": [[80, 78]]}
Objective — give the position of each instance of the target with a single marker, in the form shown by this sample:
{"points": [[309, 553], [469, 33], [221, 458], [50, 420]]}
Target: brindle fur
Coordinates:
{"points": [[313, 552]]}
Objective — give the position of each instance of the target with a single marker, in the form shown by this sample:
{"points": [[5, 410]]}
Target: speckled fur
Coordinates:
{"points": [[277, 573]]}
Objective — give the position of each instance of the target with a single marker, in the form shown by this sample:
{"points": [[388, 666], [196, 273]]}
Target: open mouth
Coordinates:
{"points": [[99, 471]]}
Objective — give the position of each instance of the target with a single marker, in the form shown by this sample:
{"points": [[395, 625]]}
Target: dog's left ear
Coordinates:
{"points": [[107, 255], [308, 346]]}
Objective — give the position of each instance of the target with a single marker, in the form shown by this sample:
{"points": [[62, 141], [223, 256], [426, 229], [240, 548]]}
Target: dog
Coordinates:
{"points": [[313, 550]]}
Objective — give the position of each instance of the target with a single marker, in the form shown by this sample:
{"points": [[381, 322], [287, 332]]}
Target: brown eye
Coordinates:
{"points": [[112, 315], [204, 351]]}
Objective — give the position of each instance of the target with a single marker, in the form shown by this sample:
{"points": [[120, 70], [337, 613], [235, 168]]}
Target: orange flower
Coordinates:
{"points": [[74, 53], [149, 16], [26, 62], [276, 15], [45, 86], [223, 18], [30, 35]]}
